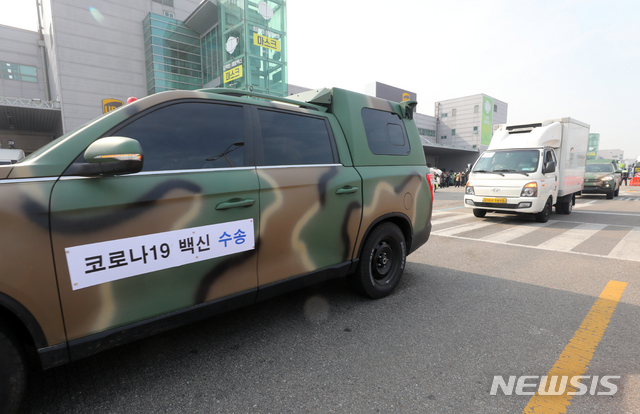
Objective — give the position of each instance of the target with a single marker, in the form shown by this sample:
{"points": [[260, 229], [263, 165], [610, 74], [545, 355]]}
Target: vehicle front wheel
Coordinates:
{"points": [[615, 193], [610, 195], [13, 371], [479, 213], [543, 216], [381, 263]]}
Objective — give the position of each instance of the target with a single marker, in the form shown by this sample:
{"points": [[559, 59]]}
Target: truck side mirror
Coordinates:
{"points": [[549, 167]]}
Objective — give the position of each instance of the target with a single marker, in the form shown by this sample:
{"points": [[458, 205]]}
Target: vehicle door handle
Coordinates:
{"points": [[347, 189], [235, 202]]}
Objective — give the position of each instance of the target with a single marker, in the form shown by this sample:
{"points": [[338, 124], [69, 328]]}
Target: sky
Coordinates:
{"points": [[546, 59]]}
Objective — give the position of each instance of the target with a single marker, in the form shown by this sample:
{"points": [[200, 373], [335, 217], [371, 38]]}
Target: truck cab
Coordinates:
{"points": [[529, 168]]}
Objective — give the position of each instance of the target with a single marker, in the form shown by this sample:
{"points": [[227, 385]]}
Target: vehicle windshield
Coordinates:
{"points": [[600, 168], [511, 161]]}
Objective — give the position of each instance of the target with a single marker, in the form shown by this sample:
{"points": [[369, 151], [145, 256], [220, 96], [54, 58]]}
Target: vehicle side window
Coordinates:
{"points": [[385, 133], [290, 139], [189, 135], [548, 157]]}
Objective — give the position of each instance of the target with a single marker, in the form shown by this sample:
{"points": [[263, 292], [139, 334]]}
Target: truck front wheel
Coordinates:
{"points": [[13, 371], [479, 213], [543, 216]]}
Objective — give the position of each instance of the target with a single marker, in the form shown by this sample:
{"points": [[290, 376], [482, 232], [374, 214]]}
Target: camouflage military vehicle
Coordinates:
{"points": [[185, 204]]}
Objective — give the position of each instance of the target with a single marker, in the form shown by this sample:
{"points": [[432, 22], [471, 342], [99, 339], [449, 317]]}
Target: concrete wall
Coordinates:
{"points": [[98, 53], [613, 154], [26, 141], [460, 115], [20, 46]]}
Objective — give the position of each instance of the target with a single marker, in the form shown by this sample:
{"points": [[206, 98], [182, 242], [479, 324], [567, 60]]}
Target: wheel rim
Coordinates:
{"points": [[383, 262]]}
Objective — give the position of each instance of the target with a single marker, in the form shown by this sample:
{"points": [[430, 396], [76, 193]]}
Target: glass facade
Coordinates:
{"points": [[245, 49], [172, 55], [211, 50], [14, 71], [427, 132]]}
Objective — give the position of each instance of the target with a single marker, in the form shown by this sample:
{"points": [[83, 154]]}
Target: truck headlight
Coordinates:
{"points": [[530, 190], [469, 189], [607, 178]]}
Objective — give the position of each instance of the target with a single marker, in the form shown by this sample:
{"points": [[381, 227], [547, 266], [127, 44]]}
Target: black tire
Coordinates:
{"points": [[479, 213], [381, 263], [543, 216], [13, 371], [568, 207], [610, 195], [559, 208], [615, 193]]}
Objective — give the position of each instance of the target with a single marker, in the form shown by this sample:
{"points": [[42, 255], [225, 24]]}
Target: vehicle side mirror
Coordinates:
{"points": [[549, 167], [110, 156]]}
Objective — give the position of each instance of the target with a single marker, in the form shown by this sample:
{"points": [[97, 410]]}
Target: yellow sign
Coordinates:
{"points": [[406, 97], [110, 105], [233, 74], [267, 42]]}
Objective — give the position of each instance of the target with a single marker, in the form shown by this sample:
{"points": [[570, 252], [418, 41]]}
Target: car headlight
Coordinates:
{"points": [[530, 190], [469, 189], [607, 178]]}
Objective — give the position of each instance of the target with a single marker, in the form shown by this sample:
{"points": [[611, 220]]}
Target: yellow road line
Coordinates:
{"points": [[576, 356]]}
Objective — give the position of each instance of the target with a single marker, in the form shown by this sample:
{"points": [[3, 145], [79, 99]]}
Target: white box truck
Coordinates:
{"points": [[529, 168], [10, 156]]}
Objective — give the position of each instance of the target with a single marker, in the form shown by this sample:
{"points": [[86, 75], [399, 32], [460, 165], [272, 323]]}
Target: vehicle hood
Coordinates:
{"points": [[596, 176]]}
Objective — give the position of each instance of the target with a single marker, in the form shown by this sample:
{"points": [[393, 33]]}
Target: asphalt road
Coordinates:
{"points": [[501, 299]]}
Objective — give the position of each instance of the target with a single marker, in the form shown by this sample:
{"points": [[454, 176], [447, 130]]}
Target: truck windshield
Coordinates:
{"points": [[510, 161], [604, 168]]}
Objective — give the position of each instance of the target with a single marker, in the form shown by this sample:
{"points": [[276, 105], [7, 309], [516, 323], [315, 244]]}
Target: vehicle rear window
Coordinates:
{"points": [[385, 133], [290, 139]]}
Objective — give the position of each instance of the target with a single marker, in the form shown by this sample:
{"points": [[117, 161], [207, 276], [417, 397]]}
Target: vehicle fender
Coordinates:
{"points": [[399, 219]]}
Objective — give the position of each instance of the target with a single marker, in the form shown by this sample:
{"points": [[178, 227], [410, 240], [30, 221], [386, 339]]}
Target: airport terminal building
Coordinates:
{"points": [[86, 61]]}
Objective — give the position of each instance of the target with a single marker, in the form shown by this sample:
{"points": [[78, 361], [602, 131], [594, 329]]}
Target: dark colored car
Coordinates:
{"points": [[602, 177]]}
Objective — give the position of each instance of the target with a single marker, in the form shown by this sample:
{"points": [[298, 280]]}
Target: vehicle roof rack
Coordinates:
{"points": [[240, 93]]}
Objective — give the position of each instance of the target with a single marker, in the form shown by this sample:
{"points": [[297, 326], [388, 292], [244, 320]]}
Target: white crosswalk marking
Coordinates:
{"points": [[571, 238], [449, 219], [629, 246], [515, 232], [462, 228]]}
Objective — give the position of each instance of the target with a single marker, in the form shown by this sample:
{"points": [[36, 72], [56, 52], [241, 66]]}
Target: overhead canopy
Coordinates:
{"points": [[18, 118], [204, 17]]}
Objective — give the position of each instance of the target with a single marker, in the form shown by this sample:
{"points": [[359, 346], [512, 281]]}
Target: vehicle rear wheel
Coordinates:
{"points": [[381, 263], [543, 216], [568, 207], [479, 213], [610, 195], [13, 371]]}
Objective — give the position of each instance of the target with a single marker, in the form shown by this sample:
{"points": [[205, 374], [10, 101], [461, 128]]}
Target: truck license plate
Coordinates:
{"points": [[494, 200]]}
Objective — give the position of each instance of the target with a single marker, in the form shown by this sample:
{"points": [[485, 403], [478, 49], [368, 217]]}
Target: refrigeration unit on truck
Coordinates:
{"points": [[529, 168]]}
